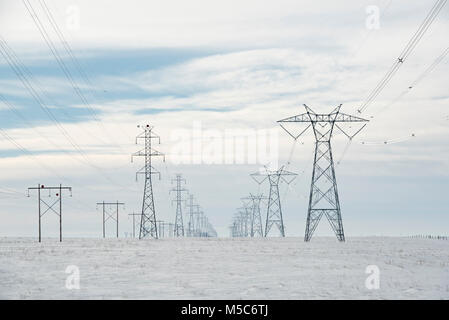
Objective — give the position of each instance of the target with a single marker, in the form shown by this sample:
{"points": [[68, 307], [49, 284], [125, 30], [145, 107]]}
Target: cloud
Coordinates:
{"points": [[251, 65]]}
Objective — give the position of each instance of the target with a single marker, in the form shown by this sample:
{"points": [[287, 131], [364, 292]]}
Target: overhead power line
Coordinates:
{"points": [[26, 78], [421, 76], [439, 4], [60, 61]]}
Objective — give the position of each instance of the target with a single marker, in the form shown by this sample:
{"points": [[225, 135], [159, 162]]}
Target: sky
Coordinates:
{"points": [[203, 72]]}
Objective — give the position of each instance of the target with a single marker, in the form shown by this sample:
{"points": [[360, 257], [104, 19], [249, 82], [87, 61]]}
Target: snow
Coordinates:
{"points": [[224, 268]]}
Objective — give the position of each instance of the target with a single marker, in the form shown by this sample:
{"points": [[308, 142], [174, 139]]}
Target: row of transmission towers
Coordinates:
{"points": [[198, 224], [323, 198], [248, 219], [167, 229]]}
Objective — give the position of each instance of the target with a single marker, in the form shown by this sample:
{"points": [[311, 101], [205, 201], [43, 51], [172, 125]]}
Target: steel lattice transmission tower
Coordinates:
{"points": [[323, 198], [179, 225], [244, 214], [274, 210], [191, 224], [148, 225], [256, 227]]}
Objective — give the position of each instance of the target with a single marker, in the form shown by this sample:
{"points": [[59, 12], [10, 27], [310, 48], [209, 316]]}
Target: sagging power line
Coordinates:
{"points": [[405, 53]]}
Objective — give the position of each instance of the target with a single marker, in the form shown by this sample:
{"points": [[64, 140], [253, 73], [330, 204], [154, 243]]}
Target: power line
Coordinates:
{"points": [[420, 77], [26, 81], [408, 49], [27, 152], [75, 61]]}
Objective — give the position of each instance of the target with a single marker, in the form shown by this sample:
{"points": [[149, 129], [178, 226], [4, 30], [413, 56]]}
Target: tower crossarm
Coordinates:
{"points": [[317, 117], [303, 117], [319, 120], [343, 117], [150, 135], [143, 153]]}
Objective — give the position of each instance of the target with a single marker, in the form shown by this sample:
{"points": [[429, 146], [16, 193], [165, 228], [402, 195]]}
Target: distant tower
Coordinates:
{"points": [[256, 219], [256, 227], [274, 210], [148, 225], [236, 227], [191, 224], [199, 222], [179, 225], [243, 219], [323, 198]]}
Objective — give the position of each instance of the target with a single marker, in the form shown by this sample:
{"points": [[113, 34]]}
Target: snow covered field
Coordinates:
{"points": [[224, 268]]}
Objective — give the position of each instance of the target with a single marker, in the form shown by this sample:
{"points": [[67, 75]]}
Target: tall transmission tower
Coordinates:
{"points": [[274, 209], [179, 225], [323, 198], [50, 206], [256, 227], [148, 225], [108, 214], [191, 224]]}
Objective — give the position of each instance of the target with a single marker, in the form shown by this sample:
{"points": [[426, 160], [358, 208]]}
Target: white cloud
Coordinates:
{"points": [[279, 55]]}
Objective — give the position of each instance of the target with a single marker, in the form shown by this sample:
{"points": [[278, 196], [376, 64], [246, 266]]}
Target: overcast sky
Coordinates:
{"points": [[221, 66]]}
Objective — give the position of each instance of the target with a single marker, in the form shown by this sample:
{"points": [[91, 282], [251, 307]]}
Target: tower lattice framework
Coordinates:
{"points": [[323, 199], [274, 209], [256, 229], [148, 223], [193, 208], [179, 225]]}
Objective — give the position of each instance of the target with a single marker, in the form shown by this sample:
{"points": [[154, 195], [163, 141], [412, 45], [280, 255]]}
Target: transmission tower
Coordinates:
{"points": [[192, 209], [107, 214], [50, 206], [240, 224], [199, 221], [323, 198], [256, 227], [243, 218], [274, 210], [233, 229], [179, 225], [148, 226]]}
